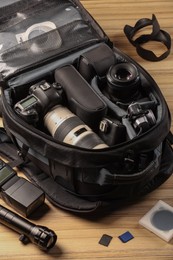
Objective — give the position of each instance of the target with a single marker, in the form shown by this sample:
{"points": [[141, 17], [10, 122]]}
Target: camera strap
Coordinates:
{"points": [[157, 35]]}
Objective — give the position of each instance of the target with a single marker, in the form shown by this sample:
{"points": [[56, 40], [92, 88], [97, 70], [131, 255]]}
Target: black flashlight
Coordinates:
{"points": [[42, 236]]}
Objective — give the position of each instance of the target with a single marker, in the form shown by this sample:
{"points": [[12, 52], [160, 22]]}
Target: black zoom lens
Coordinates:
{"points": [[123, 81]]}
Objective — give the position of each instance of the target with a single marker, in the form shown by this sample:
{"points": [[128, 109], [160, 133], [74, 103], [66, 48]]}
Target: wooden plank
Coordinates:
{"points": [[78, 236]]}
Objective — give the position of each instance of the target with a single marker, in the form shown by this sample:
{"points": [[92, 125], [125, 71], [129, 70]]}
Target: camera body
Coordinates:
{"points": [[141, 119], [43, 96]]}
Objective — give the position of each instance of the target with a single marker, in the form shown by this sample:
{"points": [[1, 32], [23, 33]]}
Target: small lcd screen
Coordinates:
{"points": [[5, 174], [28, 102]]}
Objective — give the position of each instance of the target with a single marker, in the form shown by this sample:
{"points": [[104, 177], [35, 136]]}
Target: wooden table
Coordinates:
{"points": [[78, 236]]}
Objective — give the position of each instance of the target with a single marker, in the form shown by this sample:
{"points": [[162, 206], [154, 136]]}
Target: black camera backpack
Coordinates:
{"points": [[56, 44]]}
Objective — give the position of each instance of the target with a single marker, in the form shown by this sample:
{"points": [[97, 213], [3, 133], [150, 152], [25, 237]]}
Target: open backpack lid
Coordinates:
{"points": [[33, 33]]}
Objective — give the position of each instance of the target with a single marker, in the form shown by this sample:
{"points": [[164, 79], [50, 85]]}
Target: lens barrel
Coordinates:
{"points": [[123, 81], [66, 127]]}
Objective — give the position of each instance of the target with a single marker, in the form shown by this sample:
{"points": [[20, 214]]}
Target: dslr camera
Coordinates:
{"points": [[43, 96], [45, 102]]}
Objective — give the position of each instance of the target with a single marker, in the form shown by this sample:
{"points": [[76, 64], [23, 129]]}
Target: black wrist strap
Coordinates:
{"points": [[156, 35]]}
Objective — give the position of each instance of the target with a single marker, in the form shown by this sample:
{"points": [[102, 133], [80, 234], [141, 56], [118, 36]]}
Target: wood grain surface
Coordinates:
{"points": [[78, 236]]}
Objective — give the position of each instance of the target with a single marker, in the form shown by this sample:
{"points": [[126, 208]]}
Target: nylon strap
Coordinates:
{"points": [[54, 192]]}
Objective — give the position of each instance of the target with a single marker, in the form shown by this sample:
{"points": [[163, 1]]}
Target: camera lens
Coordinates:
{"points": [[123, 74], [66, 127], [123, 81]]}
